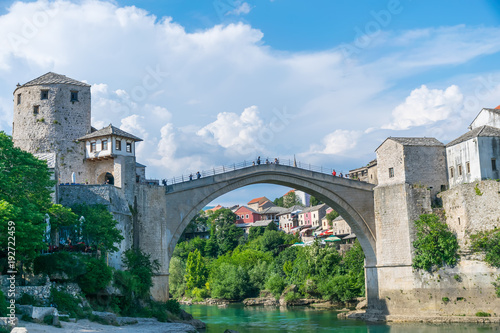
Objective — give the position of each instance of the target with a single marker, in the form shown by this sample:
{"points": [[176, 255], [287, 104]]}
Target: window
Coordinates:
{"points": [[118, 145], [494, 164], [460, 170], [467, 167], [18, 99], [44, 94], [92, 147], [74, 96], [391, 172], [247, 216], [104, 145], [451, 172], [129, 147], [36, 109]]}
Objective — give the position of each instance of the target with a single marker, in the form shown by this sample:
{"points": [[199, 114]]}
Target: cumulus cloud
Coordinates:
{"points": [[238, 132], [337, 142], [153, 78], [426, 106]]}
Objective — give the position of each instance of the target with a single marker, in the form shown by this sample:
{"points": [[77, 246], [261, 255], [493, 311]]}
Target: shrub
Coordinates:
{"points": [[142, 268], [435, 245], [199, 294], [497, 286], [483, 314], [27, 299], [173, 306], [275, 284], [445, 300], [229, 281], [97, 276], [292, 297], [65, 302], [489, 243], [62, 262], [3, 305]]}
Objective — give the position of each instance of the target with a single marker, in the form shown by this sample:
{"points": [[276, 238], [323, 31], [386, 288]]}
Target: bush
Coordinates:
{"points": [[228, 281], [275, 284], [98, 275], [292, 297], [3, 305], [173, 306], [142, 268], [27, 299], [199, 294], [489, 243], [435, 245], [483, 314], [62, 262], [65, 302]]}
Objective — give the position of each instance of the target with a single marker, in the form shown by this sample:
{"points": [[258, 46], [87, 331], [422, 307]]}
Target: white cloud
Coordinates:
{"points": [[337, 142], [238, 132], [426, 106], [242, 8]]}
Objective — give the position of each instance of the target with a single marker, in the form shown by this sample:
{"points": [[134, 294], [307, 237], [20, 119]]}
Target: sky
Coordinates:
{"points": [[207, 83]]}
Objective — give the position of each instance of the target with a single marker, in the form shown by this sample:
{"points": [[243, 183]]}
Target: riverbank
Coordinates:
{"points": [[143, 325], [362, 315]]}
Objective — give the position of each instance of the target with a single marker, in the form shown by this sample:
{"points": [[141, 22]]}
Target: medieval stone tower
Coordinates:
{"points": [[50, 113]]}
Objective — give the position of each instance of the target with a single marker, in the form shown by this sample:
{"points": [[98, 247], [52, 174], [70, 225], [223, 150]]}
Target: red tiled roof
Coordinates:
{"points": [[255, 200], [215, 208], [287, 193], [498, 107]]}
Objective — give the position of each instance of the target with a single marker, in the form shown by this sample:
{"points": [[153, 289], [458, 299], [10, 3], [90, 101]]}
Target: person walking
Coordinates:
{"points": [[191, 177], [198, 175], [258, 160]]}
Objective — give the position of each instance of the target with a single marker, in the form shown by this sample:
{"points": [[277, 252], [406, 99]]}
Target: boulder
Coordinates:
{"points": [[289, 289], [186, 318], [126, 321], [37, 313], [362, 305], [261, 301], [19, 330], [106, 318]]}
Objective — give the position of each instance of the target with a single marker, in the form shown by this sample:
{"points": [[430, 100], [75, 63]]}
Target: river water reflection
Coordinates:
{"points": [[274, 320]]}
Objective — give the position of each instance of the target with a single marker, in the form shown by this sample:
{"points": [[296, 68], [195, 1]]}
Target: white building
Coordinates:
{"points": [[473, 156], [303, 197]]}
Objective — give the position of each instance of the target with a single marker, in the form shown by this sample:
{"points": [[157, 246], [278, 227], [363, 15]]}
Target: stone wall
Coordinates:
{"points": [[469, 211], [42, 293], [390, 155]]}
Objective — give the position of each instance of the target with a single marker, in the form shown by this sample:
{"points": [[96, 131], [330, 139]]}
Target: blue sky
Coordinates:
{"points": [[337, 78]]}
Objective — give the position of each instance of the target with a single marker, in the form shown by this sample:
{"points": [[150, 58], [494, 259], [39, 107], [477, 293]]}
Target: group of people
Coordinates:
{"points": [[276, 161], [198, 176], [334, 174]]}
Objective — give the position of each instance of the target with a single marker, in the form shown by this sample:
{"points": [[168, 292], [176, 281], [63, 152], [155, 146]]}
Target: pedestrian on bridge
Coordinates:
{"points": [[258, 160], [334, 173], [198, 175], [191, 177]]}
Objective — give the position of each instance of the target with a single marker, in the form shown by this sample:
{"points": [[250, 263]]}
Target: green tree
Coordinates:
{"points": [[435, 245], [228, 281], [225, 232], [196, 271], [279, 202], [290, 199], [99, 228], [142, 268], [331, 216], [489, 243], [314, 202], [97, 276], [176, 280], [255, 232], [25, 188]]}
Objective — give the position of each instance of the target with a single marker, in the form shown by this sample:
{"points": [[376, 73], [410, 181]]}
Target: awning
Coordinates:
{"points": [[304, 230], [332, 239], [326, 233], [295, 229], [350, 236]]}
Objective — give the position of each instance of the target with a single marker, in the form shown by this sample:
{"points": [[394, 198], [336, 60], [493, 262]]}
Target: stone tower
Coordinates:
{"points": [[50, 113]]}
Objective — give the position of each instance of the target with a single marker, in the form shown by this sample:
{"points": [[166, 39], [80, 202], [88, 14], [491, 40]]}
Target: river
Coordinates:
{"points": [[307, 320]]}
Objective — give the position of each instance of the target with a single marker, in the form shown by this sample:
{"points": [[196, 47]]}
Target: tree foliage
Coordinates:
{"points": [[142, 268], [99, 228], [25, 188], [196, 271], [489, 243], [435, 245]]}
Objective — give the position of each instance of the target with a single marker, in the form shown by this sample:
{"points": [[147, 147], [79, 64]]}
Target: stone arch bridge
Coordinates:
{"points": [[352, 199]]}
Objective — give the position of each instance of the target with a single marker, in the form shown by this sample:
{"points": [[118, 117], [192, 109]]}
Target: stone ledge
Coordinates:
{"points": [[361, 315]]}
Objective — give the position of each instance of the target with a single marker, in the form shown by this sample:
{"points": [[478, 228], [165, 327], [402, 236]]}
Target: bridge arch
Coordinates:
{"points": [[352, 199]]}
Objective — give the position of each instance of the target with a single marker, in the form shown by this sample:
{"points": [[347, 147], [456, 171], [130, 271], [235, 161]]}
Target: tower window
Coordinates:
{"points": [[129, 147], [467, 167], [44, 94], [18, 99], [494, 164], [451, 172], [460, 170], [118, 144], [36, 109], [92, 147], [391, 172], [104, 145], [74, 96]]}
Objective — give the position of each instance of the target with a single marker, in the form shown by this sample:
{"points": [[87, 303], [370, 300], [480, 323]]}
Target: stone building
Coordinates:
{"points": [[414, 161], [367, 173], [475, 155]]}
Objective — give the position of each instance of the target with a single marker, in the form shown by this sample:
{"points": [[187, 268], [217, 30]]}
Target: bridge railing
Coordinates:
{"points": [[245, 164]]}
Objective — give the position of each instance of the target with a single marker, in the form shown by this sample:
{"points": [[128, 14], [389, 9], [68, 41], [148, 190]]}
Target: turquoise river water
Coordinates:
{"points": [[306, 320]]}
